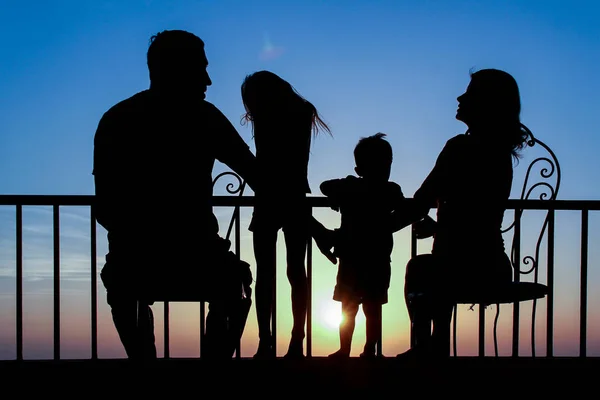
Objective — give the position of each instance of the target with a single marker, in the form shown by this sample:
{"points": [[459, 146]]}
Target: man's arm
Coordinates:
{"points": [[231, 149], [115, 206], [106, 206]]}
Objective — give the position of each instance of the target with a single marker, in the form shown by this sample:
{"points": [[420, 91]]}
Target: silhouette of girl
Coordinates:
{"points": [[469, 185], [282, 124]]}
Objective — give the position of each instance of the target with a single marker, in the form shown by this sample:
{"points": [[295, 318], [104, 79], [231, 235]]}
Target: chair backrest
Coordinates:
{"points": [[233, 188], [545, 186]]}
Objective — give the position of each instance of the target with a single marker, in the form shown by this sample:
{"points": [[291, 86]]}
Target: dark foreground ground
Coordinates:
{"points": [[309, 378]]}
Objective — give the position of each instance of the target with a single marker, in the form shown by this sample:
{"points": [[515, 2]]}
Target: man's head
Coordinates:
{"points": [[373, 157], [177, 63]]}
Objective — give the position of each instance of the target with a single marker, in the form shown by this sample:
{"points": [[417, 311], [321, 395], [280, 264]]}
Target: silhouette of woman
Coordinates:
{"points": [[282, 124], [469, 185]]}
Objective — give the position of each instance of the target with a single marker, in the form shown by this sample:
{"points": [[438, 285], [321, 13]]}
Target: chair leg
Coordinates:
{"points": [[454, 318], [496, 329]]}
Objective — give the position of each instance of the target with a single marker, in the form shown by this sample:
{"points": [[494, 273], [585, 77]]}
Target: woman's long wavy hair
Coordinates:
{"points": [[498, 104], [266, 95]]}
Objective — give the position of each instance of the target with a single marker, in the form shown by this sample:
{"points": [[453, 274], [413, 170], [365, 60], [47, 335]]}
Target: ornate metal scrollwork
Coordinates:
{"points": [[236, 187], [550, 175], [231, 186]]}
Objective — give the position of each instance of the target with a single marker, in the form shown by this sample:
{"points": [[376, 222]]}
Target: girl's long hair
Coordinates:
{"points": [[266, 95]]}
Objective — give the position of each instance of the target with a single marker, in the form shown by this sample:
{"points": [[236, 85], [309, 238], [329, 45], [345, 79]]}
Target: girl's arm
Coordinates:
{"points": [[324, 238]]}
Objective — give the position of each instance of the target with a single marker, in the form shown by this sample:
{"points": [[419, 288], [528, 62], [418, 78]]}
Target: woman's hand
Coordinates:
{"points": [[424, 228]]}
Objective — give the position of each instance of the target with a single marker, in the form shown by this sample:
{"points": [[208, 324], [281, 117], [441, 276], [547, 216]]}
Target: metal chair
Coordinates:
{"points": [[517, 291]]}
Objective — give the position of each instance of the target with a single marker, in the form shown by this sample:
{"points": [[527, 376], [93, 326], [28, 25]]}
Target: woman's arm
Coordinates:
{"points": [[413, 210]]}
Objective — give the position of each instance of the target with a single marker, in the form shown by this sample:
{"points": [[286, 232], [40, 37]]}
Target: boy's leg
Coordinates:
{"points": [[372, 312], [349, 311]]}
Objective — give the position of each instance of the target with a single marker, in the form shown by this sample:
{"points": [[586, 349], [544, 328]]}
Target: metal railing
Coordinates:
{"points": [[19, 202]]}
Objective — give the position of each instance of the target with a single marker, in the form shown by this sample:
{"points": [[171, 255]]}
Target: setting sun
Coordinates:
{"points": [[330, 314]]}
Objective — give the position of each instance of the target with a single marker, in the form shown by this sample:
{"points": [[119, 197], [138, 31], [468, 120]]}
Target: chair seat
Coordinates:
{"points": [[513, 292], [174, 295]]}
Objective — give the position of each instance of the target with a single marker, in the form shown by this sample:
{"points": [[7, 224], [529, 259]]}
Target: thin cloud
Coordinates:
{"points": [[269, 51]]}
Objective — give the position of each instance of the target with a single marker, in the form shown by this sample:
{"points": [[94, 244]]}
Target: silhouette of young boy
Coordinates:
{"points": [[364, 239]]}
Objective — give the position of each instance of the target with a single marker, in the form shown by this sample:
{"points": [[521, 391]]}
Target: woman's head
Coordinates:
{"points": [[266, 96], [491, 105]]}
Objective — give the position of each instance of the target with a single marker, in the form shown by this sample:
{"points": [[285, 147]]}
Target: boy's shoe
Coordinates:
{"points": [[415, 354], [368, 354], [295, 351], [340, 354], [264, 352], [369, 351]]}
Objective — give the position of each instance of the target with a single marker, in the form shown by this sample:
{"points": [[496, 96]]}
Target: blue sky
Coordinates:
{"points": [[377, 66]]}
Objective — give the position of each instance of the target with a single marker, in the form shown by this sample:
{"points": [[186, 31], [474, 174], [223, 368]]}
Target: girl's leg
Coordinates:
{"points": [[349, 311], [372, 312], [296, 242], [264, 242]]}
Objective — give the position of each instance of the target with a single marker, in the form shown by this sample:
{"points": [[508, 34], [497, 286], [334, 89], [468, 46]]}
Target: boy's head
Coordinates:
{"points": [[373, 157]]}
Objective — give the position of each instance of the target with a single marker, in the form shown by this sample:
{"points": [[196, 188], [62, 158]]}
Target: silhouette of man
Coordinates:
{"points": [[153, 158]]}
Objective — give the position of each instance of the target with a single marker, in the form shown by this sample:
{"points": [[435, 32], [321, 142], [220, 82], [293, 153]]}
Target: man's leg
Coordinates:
{"points": [[228, 309], [135, 325], [216, 331], [440, 338]]}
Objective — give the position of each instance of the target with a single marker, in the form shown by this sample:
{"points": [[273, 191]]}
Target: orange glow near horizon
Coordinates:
{"points": [[184, 326]]}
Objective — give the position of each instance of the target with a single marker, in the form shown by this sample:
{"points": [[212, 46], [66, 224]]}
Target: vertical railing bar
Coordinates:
{"points": [[167, 353], [19, 288], [202, 325], [584, 274], [413, 253], [309, 274], [274, 308], [94, 283], [454, 319], [481, 330], [238, 252], [56, 231], [550, 295], [517, 278]]}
